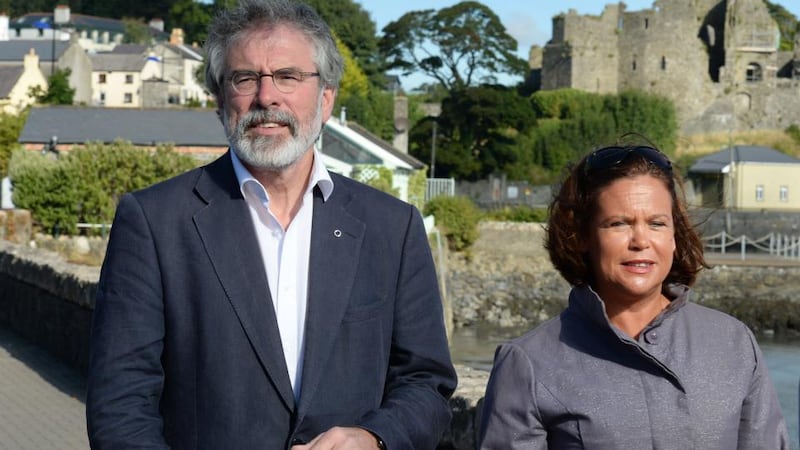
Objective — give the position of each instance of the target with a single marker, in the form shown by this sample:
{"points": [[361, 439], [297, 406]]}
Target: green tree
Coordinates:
{"points": [[58, 90], [136, 31], [459, 45], [365, 103], [477, 132], [10, 129], [192, 17], [353, 25]]}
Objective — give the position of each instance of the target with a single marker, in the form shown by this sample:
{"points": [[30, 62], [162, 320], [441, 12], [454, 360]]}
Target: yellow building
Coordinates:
{"points": [[747, 178]]}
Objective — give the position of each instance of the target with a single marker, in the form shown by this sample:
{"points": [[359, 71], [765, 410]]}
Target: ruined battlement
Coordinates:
{"points": [[712, 58]]}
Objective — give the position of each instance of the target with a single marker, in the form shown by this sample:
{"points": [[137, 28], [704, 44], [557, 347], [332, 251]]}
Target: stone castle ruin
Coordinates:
{"points": [[718, 61]]}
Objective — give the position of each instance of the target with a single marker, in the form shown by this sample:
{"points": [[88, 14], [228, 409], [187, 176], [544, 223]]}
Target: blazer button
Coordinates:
{"points": [[296, 441]]}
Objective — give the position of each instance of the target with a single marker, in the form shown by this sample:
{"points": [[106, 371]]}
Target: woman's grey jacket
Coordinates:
{"points": [[694, 379]]}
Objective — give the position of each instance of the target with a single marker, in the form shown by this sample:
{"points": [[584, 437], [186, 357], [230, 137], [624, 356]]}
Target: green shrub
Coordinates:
{"points": [[85, 184], [379, 177], [458, 218], [794, 132], [520, 213], [417, 183]]}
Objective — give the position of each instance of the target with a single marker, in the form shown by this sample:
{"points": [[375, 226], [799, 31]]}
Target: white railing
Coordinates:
{"points": [[773, 244], [440, 186]]}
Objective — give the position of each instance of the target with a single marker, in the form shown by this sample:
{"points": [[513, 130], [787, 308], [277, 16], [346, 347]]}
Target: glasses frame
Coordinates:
{"points": [[608, 157], [291, 73]]}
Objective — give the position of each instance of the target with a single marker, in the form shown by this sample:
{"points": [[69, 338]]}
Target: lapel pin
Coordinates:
{"points": [[337, 233]]}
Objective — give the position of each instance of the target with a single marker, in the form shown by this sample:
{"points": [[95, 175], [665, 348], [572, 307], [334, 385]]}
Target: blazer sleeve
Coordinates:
{"points": [[510, 418], [761, 425], [125, 375], [420, 378]]}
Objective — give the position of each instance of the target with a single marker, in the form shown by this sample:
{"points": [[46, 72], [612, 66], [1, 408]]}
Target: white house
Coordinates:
{"points": [[346, 145], [118, 79], [16, 82]]}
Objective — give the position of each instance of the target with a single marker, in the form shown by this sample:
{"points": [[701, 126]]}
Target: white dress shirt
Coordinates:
{"points": [[286, 258]]}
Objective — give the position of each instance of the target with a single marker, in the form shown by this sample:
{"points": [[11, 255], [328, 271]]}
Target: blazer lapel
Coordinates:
{"points": [[224, 226], [336, 238]]}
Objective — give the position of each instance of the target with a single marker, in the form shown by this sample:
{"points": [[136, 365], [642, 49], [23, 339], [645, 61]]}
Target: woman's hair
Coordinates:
{"points": [[230, 25], [575, 205]]}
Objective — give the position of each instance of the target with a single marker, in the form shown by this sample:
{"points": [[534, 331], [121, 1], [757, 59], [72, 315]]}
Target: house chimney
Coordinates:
{"points": [[31, 60], [61, 14], [400, 141], [157, 23], [3, 27], [176, 37]]}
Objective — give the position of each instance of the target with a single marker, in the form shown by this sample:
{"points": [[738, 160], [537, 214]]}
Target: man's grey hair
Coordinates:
{"points": [[250, 15]]}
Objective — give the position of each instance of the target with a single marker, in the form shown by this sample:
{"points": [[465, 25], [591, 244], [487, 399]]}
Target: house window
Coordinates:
{"points": [[753, 73], [759, 192], [128, 98], [128, 79], [784, 193], [102, 78], [102, 98]]}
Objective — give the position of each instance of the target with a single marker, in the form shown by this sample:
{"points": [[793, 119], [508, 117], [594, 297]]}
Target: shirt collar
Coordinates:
{"points": [[319, 176], [589, 304]]}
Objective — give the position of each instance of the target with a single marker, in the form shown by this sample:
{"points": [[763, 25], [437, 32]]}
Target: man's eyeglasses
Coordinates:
{"points": [[247, 82], [608, 157]]}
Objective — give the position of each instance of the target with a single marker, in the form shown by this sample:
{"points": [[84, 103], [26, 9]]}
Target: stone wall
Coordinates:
{"points": [[697, 54], [507, 280]]}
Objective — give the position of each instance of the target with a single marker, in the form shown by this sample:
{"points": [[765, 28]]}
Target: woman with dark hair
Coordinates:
{"points": [[631, 363]]}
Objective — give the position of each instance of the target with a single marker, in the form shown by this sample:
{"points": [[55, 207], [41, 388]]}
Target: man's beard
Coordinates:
{"points": [[272, 152]]}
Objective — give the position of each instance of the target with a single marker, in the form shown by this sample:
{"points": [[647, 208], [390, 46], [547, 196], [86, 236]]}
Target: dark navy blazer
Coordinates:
{"points": [[185, 349]]}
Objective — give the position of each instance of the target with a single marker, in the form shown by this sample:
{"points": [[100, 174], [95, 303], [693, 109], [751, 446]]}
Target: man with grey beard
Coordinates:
{"points": [[261, 302]]}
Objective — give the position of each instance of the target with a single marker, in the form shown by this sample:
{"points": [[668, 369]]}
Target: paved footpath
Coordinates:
{"points": [[41, 399]]}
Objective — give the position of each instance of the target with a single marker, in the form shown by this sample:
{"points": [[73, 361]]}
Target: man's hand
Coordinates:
{"points": [[341, 438]]}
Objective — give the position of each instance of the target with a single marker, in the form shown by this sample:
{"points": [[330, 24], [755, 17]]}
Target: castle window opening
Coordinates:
{"points": [[646, 23], [633, 65], [753, 73], [663, 63]]}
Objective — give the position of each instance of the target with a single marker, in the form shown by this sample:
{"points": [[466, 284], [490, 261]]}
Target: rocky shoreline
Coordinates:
{"points": [[506, 280]]}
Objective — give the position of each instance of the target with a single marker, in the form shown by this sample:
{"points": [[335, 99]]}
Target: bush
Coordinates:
{"points": [[458, 217], [520, 213], [85, 184], [794, 132]]}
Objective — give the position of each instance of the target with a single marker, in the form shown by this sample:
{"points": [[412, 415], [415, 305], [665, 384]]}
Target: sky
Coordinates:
{"points": [[529, 22]]}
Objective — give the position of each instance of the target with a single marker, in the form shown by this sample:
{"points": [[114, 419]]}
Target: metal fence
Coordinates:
{"points": [[773, 244]]}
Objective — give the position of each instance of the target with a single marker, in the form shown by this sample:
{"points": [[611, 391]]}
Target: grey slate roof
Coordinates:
{"points": [[130, 49], [79, 22], [15, 50], [413, 162], [181, 127], [118, 62], [9, 76], [75, 125], [715, 162]]}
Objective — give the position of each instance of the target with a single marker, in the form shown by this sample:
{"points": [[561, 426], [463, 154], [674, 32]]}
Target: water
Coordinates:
{"points": [[475, 347]]}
